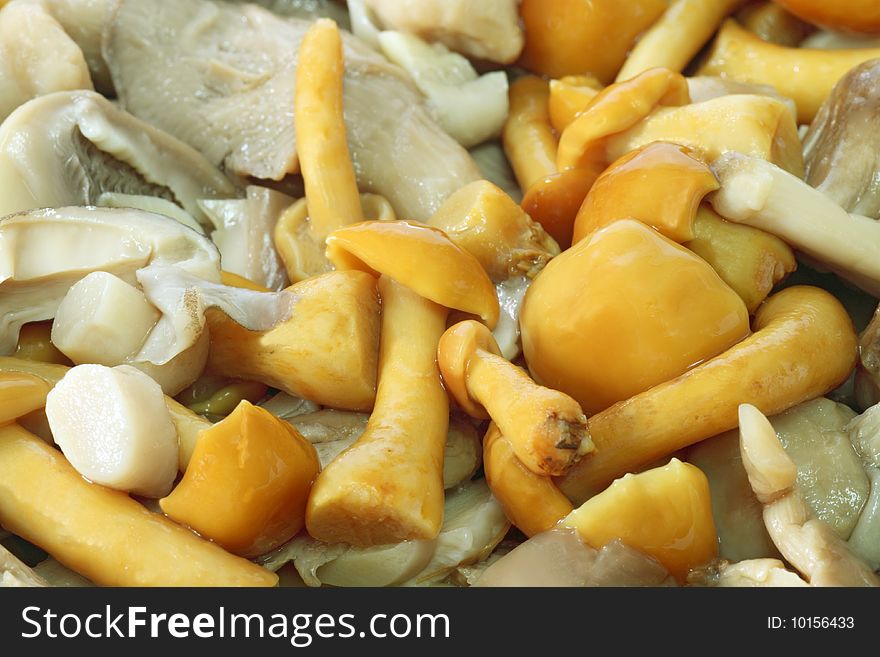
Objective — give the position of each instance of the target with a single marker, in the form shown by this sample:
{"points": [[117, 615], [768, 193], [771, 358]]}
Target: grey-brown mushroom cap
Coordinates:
{"points": [[842, 146]]}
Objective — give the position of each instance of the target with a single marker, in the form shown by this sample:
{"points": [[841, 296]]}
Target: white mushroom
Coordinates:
{"points": [[114, 428], [757, 193], [36, 56], [15, 573], [750, 573], [471, 108], [810, 545], [69, 147]]}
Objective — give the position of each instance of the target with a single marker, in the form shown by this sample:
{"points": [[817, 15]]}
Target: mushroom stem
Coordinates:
{"points": [[809, 545], [803, 74], [102, 534], [759, 194], [677, 35], [532, 501], [804, 345], [20, 393], [322, 145], [388, 486], [546, 428], [528, 137]]}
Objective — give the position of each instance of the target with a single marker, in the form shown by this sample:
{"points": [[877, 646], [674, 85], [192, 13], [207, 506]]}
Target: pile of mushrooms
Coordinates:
{"points": [[265, 319]]}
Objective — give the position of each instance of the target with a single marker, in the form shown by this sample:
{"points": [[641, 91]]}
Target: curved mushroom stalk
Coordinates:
{"points": [[807, 76], [512, 248], [388, 486], [69, 147], [229, 91], [809, 545], [840, 150], [488, 30], [325, 351], [532, 502], [803, 346], [760, 126], [546, 428], [759, 194], [27, 69]]}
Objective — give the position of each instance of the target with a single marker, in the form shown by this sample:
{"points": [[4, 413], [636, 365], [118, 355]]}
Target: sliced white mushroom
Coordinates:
{"points": [[363, 22], [102, 320], [69, 147], [227, 89], [757, 193], [43, 253], [751, 573], [471, 108], [154, 204], [809, 545], [243, 231], [114, 428], [36, 56]]}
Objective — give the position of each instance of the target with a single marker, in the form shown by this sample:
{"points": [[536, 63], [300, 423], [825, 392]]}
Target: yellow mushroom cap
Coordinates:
{"points": [[622, 311], [660, 184], [420, 257]]}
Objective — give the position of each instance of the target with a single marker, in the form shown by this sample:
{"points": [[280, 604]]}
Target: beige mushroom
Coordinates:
{"points": [[15, 573], [808, 544]]}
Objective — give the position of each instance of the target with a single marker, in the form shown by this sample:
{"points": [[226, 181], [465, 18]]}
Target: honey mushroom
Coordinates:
{"points": [[546, 429], [810, 545], [388, 486], [21, 393], [803, 74], [569, 96], [679, 34], [798, 326]]}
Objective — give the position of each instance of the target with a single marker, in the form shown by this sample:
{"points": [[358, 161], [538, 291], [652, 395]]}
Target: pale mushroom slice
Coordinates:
{"points": [[243, 232], [841, 148], [221, 77], [43, 253], [810, 545], [489, 29], [36, 56], [15, 573], [69, 147], [751, 573]]}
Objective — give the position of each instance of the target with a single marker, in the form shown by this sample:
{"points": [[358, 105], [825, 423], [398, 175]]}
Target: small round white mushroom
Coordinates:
{"points": [[114, 428]]}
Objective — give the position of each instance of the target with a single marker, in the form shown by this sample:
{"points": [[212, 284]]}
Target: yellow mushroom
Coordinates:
{"points": [[751, 261], [421, 256], [187, 424], [569, 96], [554, 201], [665, 513], [803, 346], [546, 428], [660, 184], [771, 22], [301, 251], [531, 501], [527, 136], [103, 534], [616, 109], [803, 74], [325, 351], [20, 394], [388, 486], [679, 34], [810, 545], [757, 125]]}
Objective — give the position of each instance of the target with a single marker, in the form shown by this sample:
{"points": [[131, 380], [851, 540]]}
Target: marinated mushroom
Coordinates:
{"points": [[15, 573], [841, 159]]}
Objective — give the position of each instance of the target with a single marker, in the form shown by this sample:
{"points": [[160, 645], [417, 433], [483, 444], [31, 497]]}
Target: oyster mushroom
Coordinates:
{"points": [[28, 33], [841, 159], [485, 30], [810, 545], [230, 93], [69, 147], [759, 194], [45, 252]]}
